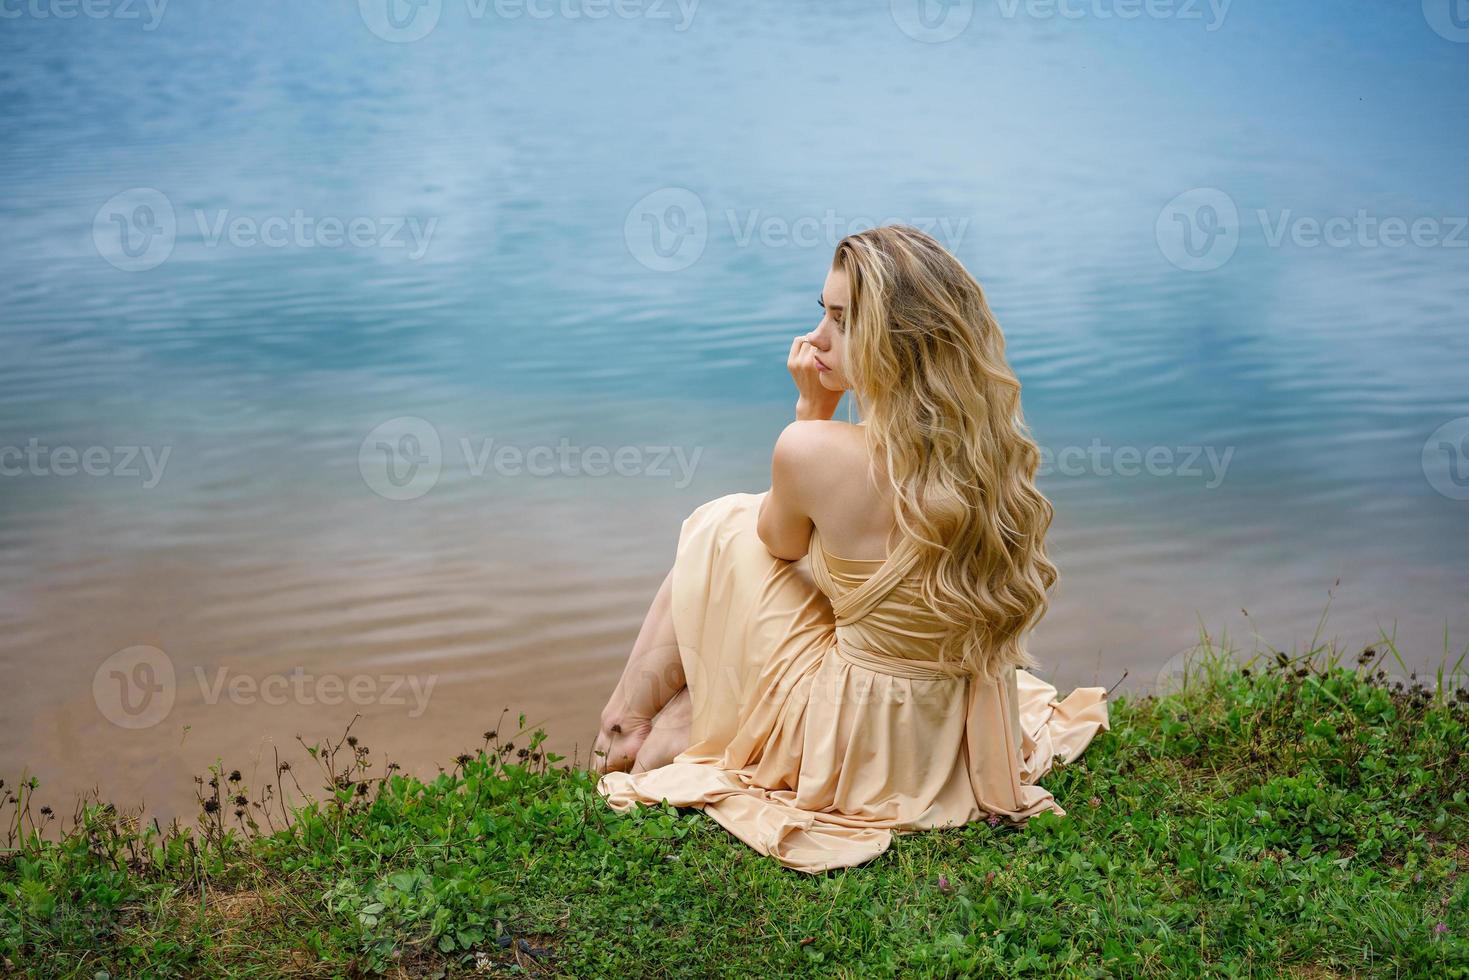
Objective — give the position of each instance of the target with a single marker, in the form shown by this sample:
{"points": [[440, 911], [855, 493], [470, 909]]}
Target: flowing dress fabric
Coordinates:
{"points": [[823, 722]]}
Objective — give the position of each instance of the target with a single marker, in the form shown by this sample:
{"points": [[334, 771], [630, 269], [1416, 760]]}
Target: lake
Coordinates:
{"points": [[364, 358]]}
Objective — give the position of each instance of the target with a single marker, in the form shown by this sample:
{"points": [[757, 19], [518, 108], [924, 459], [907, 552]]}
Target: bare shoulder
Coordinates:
{"points": [[831, 462], [826, 453]]}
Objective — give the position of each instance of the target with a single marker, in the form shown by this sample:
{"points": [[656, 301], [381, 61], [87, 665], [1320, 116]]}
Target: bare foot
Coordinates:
{"points": [[670, 734], [619, 742], [652, 677]]}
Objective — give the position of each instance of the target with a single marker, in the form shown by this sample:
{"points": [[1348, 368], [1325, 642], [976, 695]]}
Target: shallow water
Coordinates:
{"points": [[604, 231]]}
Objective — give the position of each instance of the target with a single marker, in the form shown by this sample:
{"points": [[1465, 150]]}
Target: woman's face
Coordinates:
{"points": [[830, 336]]}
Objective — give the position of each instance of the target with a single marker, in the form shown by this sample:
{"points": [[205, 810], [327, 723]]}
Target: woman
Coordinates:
{"points": [[841, 657]]}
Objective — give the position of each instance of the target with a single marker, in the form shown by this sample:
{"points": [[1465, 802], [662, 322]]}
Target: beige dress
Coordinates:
{"points": [[822, 722]]}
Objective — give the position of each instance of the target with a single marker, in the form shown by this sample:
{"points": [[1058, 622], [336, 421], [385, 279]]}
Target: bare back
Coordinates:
{"points": [[855, 520]]}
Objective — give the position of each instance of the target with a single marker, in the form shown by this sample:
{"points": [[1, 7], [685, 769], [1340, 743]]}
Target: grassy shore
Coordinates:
{"points": [[1281, 816]]}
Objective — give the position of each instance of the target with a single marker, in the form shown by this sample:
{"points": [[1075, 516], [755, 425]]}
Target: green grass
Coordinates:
{"points": [[1284, 816]]}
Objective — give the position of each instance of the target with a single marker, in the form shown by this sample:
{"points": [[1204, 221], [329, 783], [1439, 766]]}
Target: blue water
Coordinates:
{"points": [[606, 231]]}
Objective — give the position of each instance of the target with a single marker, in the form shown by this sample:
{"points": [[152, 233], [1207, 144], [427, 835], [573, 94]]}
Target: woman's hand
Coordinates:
{"points": [[813, 399]]}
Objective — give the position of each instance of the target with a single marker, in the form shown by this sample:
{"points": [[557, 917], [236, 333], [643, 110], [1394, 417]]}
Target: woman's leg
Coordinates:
{"points": [[653, 675], [670, 734]]}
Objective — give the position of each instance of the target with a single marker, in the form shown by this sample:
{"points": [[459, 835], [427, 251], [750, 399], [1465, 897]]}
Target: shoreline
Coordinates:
{"points": [[1308, 812]]}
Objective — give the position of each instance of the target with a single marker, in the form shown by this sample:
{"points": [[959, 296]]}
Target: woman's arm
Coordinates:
{"points": [[784, 524], [796, 466]]}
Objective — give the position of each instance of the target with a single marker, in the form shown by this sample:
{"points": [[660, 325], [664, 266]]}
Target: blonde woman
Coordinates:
{"points": [[841, 657]]}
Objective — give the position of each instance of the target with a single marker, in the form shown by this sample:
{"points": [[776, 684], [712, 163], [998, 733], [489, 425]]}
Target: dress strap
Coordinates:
{"points": [[853, 605]]}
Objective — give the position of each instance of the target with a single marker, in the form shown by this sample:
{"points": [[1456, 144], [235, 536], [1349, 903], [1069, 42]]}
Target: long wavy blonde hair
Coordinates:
{"points": [[926, 360]]}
